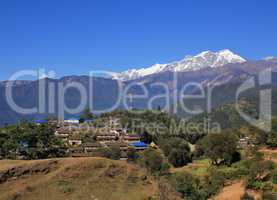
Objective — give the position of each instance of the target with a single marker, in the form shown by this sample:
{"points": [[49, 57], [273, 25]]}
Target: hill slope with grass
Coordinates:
{"points": [[74, 179]]}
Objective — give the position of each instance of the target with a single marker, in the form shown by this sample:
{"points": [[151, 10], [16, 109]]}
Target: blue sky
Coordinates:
{"points": [[74, 37]]}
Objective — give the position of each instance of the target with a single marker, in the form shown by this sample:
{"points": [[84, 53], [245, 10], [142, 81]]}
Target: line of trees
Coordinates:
{"points": [[30, 141]]}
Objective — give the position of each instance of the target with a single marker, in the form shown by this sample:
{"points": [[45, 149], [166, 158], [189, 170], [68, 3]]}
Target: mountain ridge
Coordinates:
{"points": [[189, 63]]}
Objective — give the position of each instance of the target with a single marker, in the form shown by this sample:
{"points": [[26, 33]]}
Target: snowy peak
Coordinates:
{"points": [[271, 59], [137, 73], [189, 63]]}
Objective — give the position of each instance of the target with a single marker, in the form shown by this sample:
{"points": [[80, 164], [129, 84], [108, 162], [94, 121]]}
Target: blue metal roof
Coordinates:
{"points": [[138, 144]]}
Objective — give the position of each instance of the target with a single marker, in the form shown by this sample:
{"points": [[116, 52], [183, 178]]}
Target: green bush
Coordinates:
{"points": [[274, 177], [213, 182], [115, 152], [268, 195], [191, 187], [65, 186], [179, 157], [253, 184], [112, 152], [152, 160], [187, 185], [165, 169], [177, 150], [132, 154]]}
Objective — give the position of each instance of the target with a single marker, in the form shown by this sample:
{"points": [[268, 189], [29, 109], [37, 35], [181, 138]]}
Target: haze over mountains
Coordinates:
{"points": [[224, 69]]}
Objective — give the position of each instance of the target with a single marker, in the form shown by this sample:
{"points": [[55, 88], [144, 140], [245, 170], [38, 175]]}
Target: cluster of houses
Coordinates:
{"points": [[245, 142], [107, 135]]}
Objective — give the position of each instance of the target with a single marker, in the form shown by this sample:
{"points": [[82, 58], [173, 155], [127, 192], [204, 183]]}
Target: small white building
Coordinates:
{"points": [[74, 142], [71, 121]]}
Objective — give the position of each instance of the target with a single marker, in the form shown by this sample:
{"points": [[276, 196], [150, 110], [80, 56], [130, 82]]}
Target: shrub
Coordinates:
{"points": [[236, 157], [253, 184], [165, 169], [132, 154], [105, 152], [187, 185], [112, 153], [274, 177], [191, 187], [199, 151], [152, 160], [115, 152], [272, 140], [268, 195], [65, 186], [260, 169], [246, 196], [213, 182], [179, 157]]}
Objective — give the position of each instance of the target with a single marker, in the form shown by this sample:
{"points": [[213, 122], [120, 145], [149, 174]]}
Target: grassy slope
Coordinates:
{"points": [[78, 178]]}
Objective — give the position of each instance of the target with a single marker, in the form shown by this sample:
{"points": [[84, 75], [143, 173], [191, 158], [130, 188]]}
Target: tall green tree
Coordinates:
{"points": [[87, 115], [220, 147]]}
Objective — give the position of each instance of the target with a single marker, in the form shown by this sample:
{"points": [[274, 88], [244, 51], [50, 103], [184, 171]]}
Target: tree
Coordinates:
{"points": [[115, 152], [220, 148], [272, 140], [87, 115], [146, 137], [105, 152], [112, 152], [165, 168], [274, 177], [32, 141], [177, 150], [179, 157], [152, 160], [132, 154], [187, 185]]}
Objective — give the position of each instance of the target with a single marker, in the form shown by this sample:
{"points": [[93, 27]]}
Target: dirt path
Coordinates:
{"points": [[270, 154], [267, 150], [232, 192]]}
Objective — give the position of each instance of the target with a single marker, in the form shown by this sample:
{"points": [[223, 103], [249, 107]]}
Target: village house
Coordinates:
{"points": [[245, 143], [131, 138], [91, 147], [63, 137], [76, 151], [139, 146], [64, 133], [71, 121], [107, 137], [75, 141]]}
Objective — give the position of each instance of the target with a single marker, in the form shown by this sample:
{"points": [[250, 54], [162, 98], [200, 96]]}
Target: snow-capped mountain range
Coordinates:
{"points": [[189, 63]]}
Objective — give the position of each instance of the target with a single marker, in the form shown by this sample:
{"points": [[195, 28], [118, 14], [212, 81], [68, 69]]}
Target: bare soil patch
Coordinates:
{"points": [[231, 192]]}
